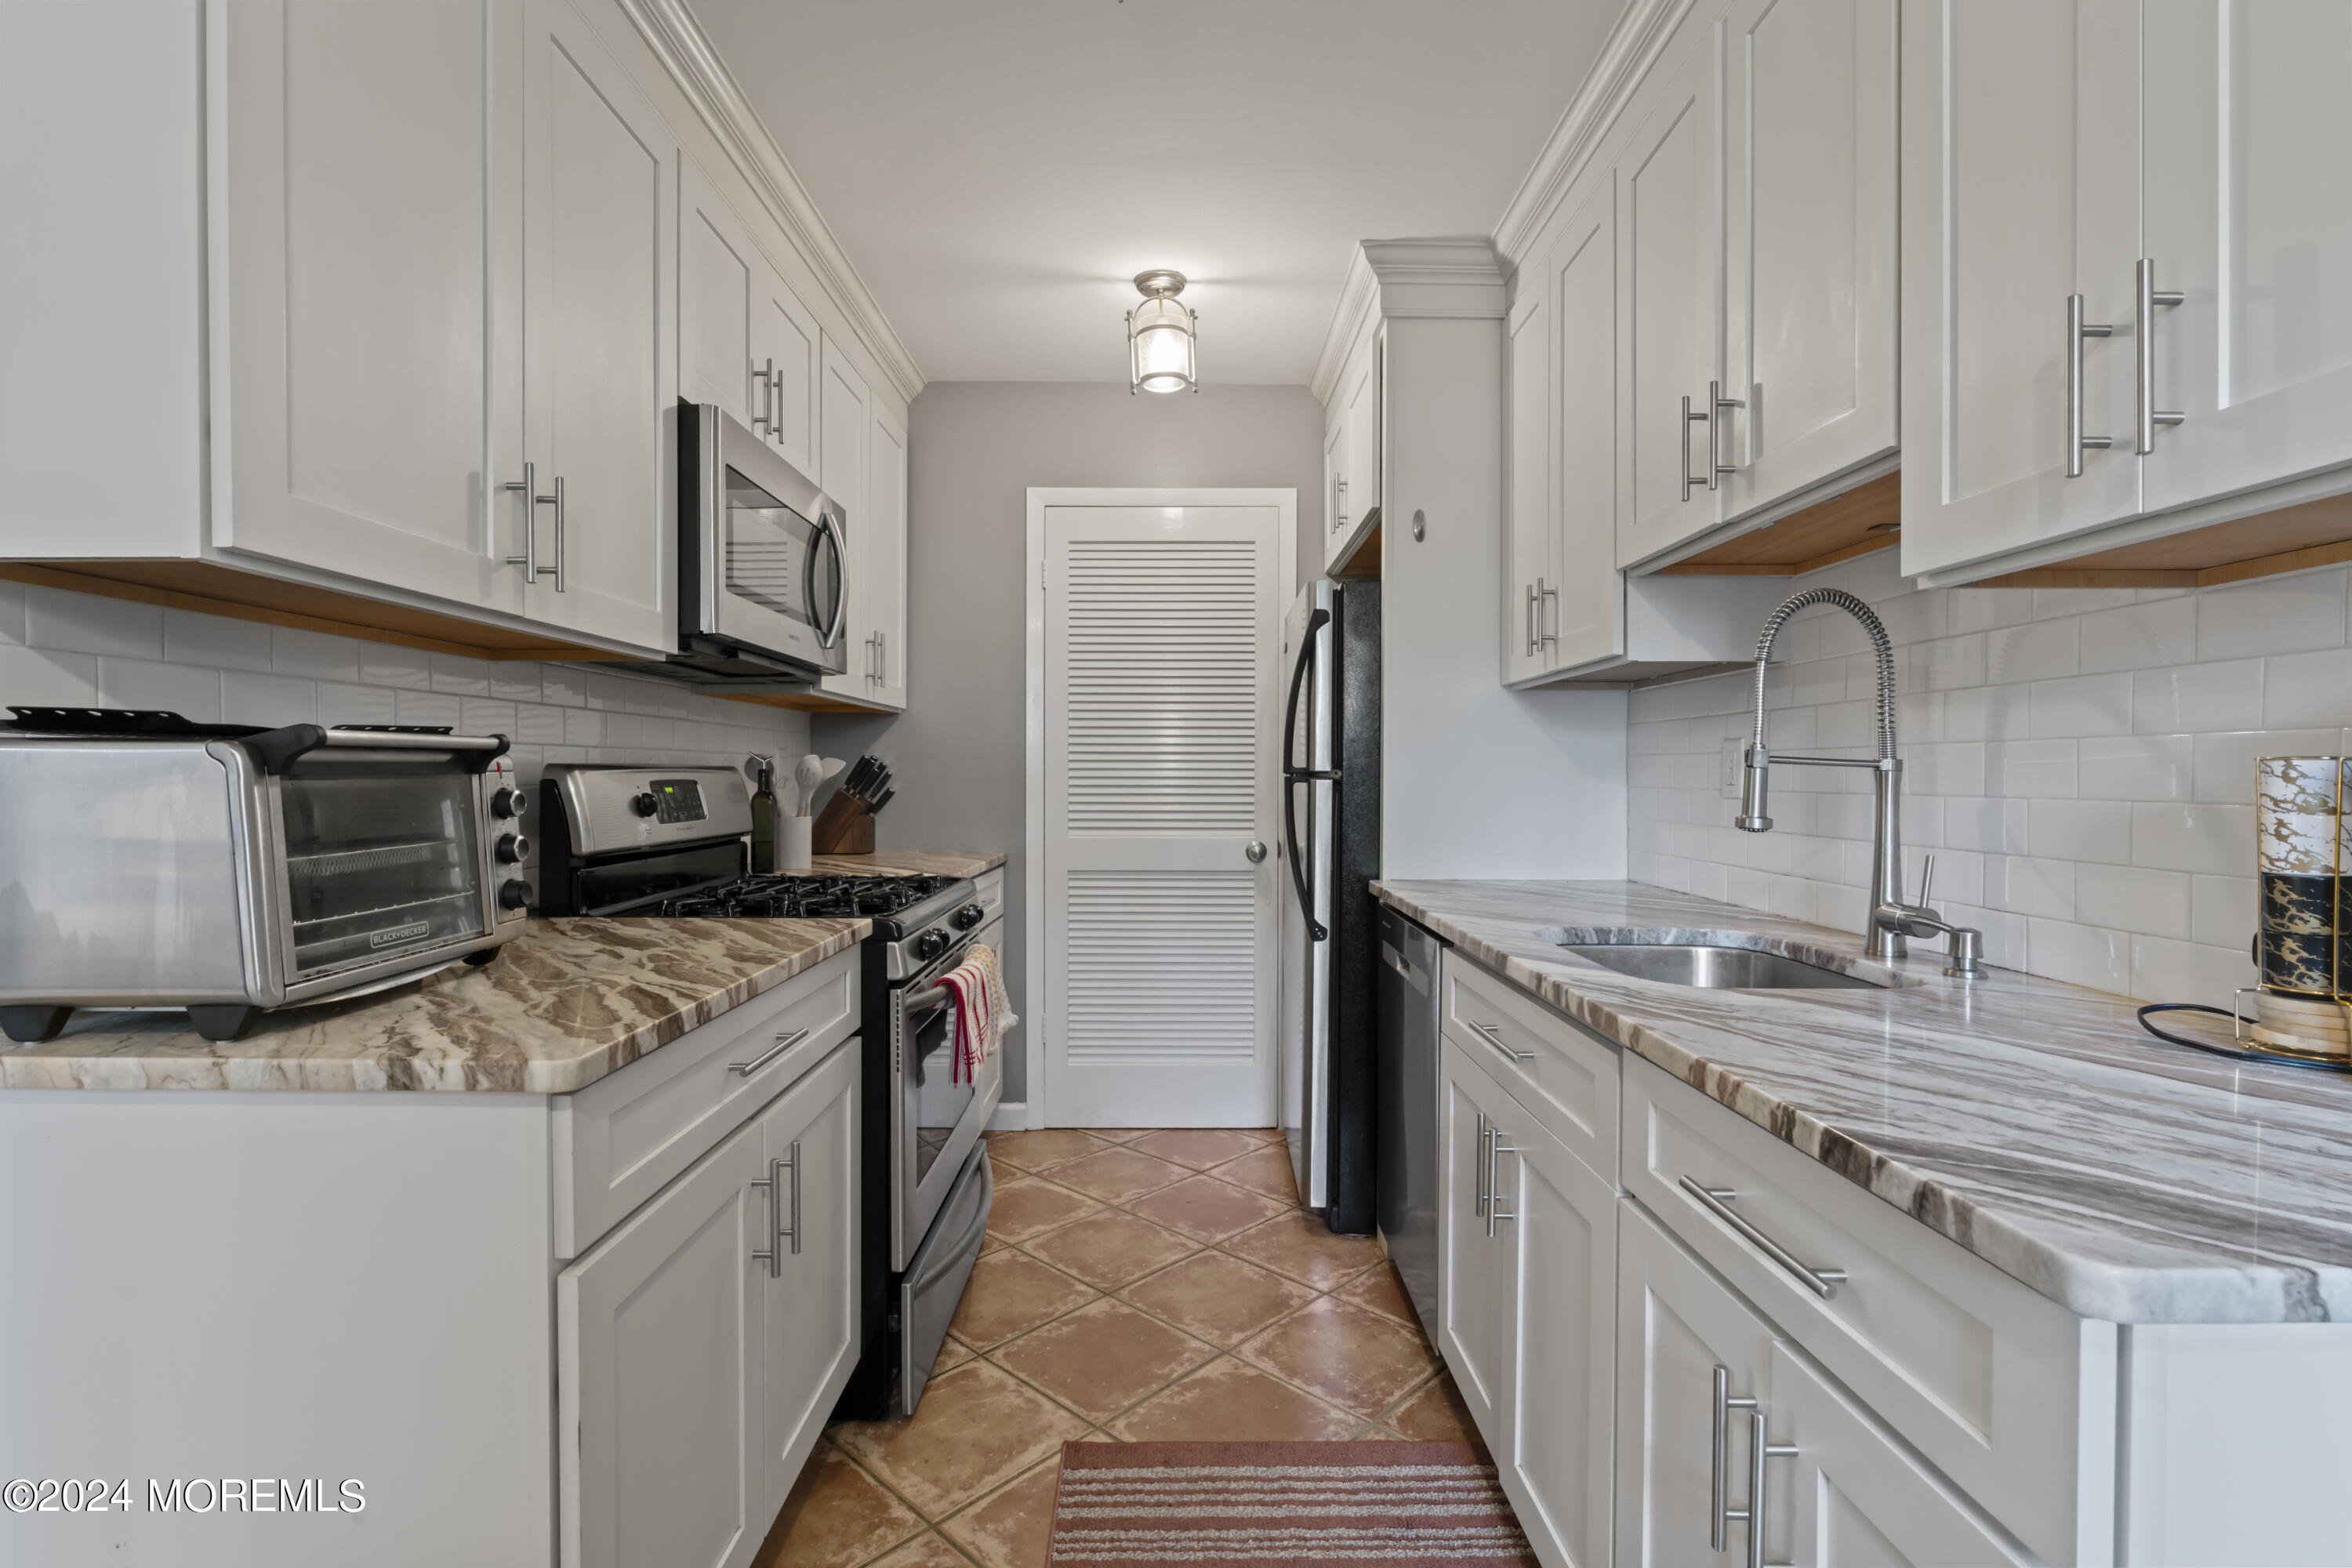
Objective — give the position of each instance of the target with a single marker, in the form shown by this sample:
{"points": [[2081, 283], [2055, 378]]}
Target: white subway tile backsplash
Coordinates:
{"points": [[2135, 767], [339, 703], [2187, 972], [2223, 911], [1992, 826], [193, 638], [12, 614], [248, 697], [2083, 705], [2097, 830], [2086, 955], [2133, 898], [461, 676], [515, 681], [2024, 885], [191, 690], [2162, 632], [43, 676], [384, 666], [427, 708], [2302, 689], [486, 716], [2225, 761], [1982, 609], [2197, 696], [316, 655], [2037, 651], [2052, 603], [2276, 615], [2043, 768], [2194, 837], [78, 622]]}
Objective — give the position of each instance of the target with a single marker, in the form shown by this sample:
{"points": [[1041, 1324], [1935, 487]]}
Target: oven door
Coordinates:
{"points": [[940, 1121], [765, 548]]}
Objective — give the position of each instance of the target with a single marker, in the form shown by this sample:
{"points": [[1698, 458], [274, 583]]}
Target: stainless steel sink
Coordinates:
{"points": [[1711, 962]]}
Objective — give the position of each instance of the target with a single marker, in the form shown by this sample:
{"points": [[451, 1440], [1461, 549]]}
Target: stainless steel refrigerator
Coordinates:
{"points": [[1330, 766]]}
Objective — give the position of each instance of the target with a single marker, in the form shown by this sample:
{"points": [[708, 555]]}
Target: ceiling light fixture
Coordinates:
{"points": [[1160, 336]]}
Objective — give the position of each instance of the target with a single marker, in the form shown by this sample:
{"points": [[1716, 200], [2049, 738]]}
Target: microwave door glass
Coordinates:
{"points": [[773, 559], [376, 867]]}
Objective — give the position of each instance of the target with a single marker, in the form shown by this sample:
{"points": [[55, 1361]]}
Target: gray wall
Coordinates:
{"points": [[975, 449]]}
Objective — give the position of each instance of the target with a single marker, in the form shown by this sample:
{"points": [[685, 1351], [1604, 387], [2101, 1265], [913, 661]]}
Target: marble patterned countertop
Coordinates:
{"points": [[565, 1002], [2033, 1121], [910, 863]]}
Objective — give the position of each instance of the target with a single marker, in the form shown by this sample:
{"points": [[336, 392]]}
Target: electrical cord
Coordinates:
{"points": [[2210, 1049]]}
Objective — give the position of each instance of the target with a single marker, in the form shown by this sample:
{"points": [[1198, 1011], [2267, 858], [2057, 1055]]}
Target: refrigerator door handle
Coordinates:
{"points": [[1293, 775]]}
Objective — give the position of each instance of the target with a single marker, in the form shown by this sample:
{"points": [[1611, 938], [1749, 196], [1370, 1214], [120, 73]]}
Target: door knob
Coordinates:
{"points": [[1257, 851]]}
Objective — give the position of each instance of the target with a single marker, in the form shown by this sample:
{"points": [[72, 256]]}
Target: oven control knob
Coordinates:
{"points": [[645, 804], [509, 802], [969, 916], [514, 893], [931, 943], [511, 848]]}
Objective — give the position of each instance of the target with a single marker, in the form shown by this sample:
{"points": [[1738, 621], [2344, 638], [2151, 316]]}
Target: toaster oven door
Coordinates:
{"points": [[379, 865]]}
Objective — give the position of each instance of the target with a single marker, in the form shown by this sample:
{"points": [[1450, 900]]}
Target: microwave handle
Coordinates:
{"points": [[827, 532]]}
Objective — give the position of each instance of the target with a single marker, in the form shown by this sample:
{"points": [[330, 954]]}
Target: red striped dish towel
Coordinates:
{"points": [[978, 1015]]}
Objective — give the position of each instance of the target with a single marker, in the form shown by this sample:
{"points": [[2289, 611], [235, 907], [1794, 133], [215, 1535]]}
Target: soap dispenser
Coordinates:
{"points": [[763, 816]]}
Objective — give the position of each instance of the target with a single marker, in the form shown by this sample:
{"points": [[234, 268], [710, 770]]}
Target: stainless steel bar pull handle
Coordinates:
{"points": [[1692, 481], [778, 1204], [557, 499], [1717, 1201], [1720, 1512], [1545, 591], [1494, 1037], [1485, 1131], [792, 1233], [784, 1042], [1760, 1449], [1715, 403], [2077, 331], [1496, 1150], [2148, 297], [1533, 641], [529, 559]]}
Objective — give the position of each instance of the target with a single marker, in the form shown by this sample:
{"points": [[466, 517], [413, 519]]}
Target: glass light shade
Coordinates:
{"points": [[1160, 341]]}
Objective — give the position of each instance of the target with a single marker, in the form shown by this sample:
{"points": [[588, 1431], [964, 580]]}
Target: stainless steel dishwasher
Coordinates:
{"points": [[1408, 1089]]}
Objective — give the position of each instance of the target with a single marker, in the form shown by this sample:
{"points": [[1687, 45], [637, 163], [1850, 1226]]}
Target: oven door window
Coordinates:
{"points": [[940, 1103], [780, 561], [379, 866]]}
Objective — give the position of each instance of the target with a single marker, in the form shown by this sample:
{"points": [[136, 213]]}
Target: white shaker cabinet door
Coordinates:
{"points": [[719, 273], [1811, 258], [1472, 1305], [884, 647], [1670, 295], [845, 433], [2249, 218], [1587, 610], [1677, 1328], [2021, 182], [1529, 576], [600, 296], [808, 1304], [1853, 1496], [352, 234], [1560, 1242], [784, 345], [658, 1361]]}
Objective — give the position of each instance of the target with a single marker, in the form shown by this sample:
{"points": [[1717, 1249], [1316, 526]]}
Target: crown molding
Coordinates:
{"points": [[686, 51], [1402, 277], [1626, 56]]}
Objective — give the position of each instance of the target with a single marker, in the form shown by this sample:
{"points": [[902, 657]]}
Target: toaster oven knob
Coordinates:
{"points": [[645, 804], [931, 943], [509, 802], [511, 848], [969, 916], [514, 893]]}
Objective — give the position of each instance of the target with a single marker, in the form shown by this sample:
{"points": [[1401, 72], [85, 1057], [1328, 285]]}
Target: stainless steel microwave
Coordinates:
{"points": [[763, 568]]}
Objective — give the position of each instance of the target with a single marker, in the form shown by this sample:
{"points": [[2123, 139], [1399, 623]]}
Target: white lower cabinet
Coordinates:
{"points": [[700, 1345], [1526, 1309]]}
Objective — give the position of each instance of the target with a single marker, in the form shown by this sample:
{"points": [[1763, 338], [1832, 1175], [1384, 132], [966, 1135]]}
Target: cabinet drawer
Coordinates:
{"points": [[2007, 1393], [1565, 1076], [620, 1139], [989, 888]]}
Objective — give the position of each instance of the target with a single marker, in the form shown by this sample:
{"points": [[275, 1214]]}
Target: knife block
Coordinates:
{"points": [[844, 828]]}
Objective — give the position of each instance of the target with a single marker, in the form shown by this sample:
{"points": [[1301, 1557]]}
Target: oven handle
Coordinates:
{"points": [[930, 997]]}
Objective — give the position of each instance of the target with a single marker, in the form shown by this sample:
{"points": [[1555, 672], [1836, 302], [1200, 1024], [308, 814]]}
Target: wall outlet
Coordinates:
{"points": [[1735, 763]]}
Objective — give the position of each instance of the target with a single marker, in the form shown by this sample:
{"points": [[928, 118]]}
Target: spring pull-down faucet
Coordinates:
{"points": [[1891, 918]]}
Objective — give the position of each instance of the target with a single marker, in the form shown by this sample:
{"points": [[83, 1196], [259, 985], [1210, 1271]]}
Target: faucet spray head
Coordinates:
{"points": [[1752, 817]]}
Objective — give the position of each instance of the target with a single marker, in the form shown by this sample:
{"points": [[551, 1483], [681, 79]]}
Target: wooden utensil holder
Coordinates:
{"points": [[844, 828]]}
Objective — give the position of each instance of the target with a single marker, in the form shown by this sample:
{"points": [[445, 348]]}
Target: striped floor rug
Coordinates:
{"points": [[1206, 1505]]}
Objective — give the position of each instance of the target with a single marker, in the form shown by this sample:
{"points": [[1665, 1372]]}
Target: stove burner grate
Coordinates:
{"points": [[802, 898]]}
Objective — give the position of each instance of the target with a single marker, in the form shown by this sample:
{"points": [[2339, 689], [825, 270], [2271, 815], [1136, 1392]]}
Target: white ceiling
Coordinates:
{"points": [[999, 170]]}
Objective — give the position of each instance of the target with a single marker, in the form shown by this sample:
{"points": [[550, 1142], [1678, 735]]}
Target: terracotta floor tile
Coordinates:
{"points": [[1205, 1207], [1230, 1401], [1121, 1134], [1219, 1299], [1014, 1525], [1010, 1293], [837, 1516], [976, 1428], [1359, 1360], [1376, 1433], [1265, 1169], [1111, 1249], [1199, 1147], [1101, 1358], [1301, 1246], [1436, 1415], [954, 1353], [1380, 1290], [927, 1549], [1040, 1149], [1114, 1175], [1026, 1207]]}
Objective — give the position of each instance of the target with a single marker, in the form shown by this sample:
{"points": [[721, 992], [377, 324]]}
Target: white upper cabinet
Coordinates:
{"points": [[885, 644], [2021, 152], [1366, 432], [720, 273], [784, 345], [1809, 301], [2249, 217], [1669, 306], [1531, 574], [1585, 601], [845, 433], [1357, 429], [599, 328], [354, 239]]}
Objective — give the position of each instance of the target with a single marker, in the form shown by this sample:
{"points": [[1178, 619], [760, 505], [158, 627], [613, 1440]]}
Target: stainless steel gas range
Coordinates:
{"points": [[672, 842]]}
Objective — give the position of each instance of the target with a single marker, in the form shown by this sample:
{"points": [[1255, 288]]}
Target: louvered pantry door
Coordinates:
{"points": [[1161, 648]]}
